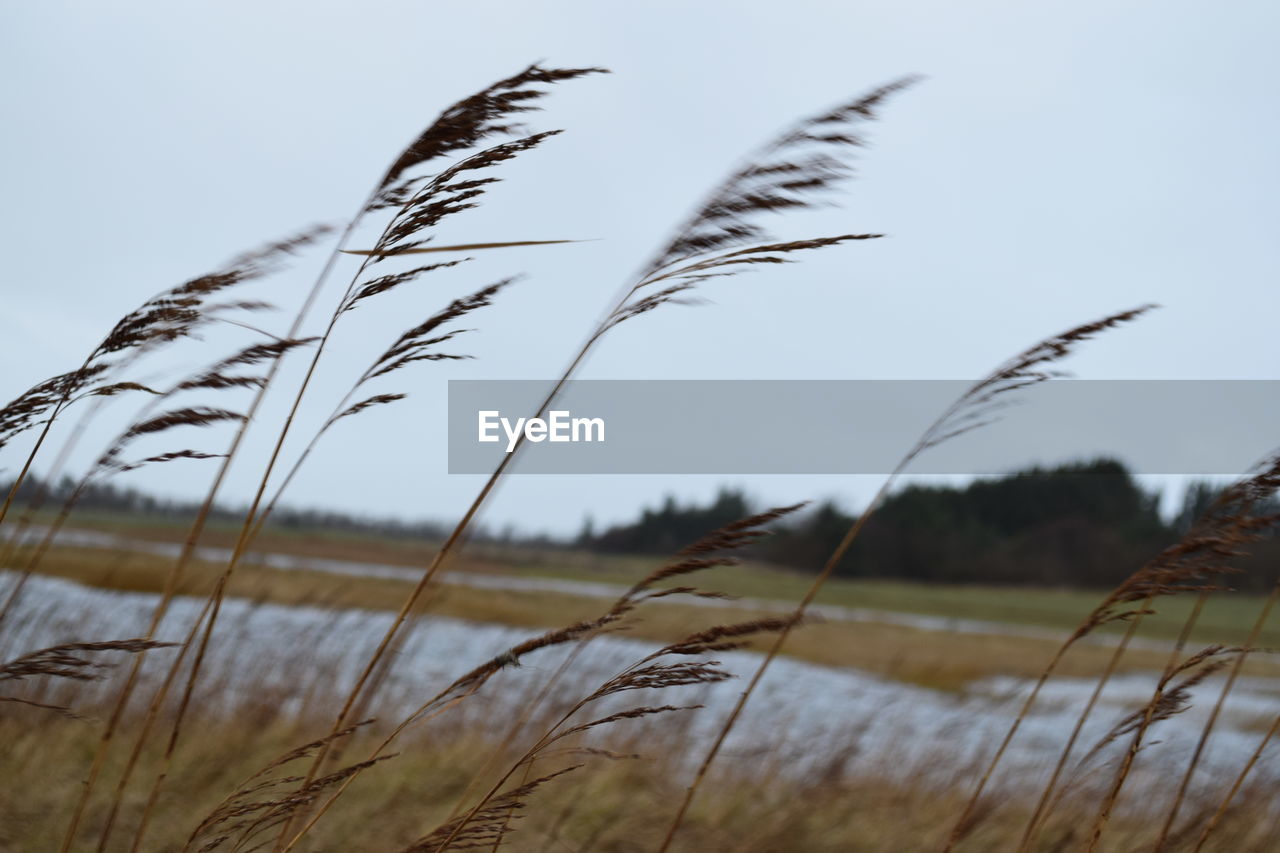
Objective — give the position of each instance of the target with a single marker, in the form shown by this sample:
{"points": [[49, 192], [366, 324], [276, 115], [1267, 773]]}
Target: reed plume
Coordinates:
{"points": [[1169, 699], [793, 172], [649, 673], [419, 343], [1166, 831], [164, 318], [265, 799], [973, 409], [1206, 553], [487, 825], [646, 674], [419, 202], [710, 551], [69, 661], [215, 377], [271, 353], [148, 425], [61, 661]]}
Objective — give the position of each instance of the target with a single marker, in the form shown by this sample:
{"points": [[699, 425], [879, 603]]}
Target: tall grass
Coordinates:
{"points": [[290, 783]]}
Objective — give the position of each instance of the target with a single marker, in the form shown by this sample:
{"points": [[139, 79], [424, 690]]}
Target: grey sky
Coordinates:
{"points": [[1064, 160]]}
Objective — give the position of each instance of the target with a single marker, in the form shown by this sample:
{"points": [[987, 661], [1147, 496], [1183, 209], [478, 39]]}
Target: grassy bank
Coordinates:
{"points": [[1226, 617], [942, 659]]}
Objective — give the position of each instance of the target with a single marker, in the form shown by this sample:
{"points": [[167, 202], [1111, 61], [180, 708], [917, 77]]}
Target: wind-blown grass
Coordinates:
{"points": [[289, 796]]}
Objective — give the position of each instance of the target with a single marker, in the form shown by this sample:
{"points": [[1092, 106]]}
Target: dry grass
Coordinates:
{"points": [[393, 803], [259, 778]]}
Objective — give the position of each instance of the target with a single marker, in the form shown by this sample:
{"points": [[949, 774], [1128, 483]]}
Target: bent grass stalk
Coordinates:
{"points": [[168, 592], [1254, 632], [414, 597], [248, 531], [1042, 809], [644, 674], [209, 614], [526, 714], [1149, 715], [214, 377], [1236, 785], [707, 553], [167, 317], [39, 443], [1228, 524], [774, 649], [1201, 554], [37, 501], [970, 411], [416, 344], [424, 714], [211, 611], [456, 692], [171, 584], [174, 578], [653, 676], [780, 176], [453, 541], [109, 463], [459, 128]]}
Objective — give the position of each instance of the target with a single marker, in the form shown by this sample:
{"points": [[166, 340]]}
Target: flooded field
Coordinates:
{"points": [[806, 718]]}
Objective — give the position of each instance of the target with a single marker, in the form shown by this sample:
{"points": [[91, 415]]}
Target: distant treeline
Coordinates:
{"points": [[1087, 524], [110, 498]]}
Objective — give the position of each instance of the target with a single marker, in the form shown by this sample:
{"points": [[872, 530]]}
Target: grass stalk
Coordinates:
{"points": [[210, 614], [172, 581], [970, 411], [1042, 809], [1149, 716], [1254, 632], [1237, 784]]}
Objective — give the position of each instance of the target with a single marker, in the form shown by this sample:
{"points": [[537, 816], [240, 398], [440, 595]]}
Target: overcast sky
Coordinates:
{"points": [[1063, 160]]}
